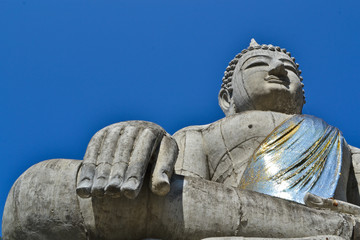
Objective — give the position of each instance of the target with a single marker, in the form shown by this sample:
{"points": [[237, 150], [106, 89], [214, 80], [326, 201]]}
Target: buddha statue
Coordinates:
{"points": [[264, 170]]}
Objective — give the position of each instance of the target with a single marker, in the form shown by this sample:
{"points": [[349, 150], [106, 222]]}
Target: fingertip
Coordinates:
{"points": [[161, 189], [160, 186], [113, 188], [312, 199], [130, 188], [98, 188], [129, 193], [83, 192], [84, 188], [97, 192]]}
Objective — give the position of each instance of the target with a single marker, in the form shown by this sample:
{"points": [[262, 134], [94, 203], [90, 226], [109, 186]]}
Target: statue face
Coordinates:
{"points": [[267, 80]]}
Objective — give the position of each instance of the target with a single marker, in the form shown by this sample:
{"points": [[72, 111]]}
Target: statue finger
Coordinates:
{"points": [[121, 161], [84, 185], [104, 161], [100, 179], [162, 172], [139, 161], [314, 201], [87, 171]]}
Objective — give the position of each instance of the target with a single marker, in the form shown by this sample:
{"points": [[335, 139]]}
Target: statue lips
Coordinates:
{"points": [[275, 79]]}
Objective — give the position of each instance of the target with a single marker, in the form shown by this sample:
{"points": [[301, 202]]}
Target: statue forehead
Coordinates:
{"points": [[261, 52]]}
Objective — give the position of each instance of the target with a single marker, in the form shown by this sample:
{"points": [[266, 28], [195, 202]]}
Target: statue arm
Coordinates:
{"points": [[196, 208], [192, 158]]}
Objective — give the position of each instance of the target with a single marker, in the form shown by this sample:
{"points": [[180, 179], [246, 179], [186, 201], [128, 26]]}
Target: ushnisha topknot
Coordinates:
{"points": [[227, 79]]}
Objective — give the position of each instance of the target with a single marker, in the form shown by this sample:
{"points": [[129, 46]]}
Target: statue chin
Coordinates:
{"points": [[279, 100]]}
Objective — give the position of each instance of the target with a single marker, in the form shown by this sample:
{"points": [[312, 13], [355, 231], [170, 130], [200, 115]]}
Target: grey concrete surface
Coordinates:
{"points": [[106, 196]]}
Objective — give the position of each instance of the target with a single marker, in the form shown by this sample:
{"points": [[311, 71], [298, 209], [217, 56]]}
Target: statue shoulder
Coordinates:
{"points": [[196, 128], [193, 128]]}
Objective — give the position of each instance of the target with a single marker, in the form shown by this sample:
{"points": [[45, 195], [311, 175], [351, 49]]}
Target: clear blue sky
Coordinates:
{"points": [[69, 68]]}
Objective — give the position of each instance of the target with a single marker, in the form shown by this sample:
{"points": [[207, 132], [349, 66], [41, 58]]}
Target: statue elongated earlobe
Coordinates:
{"points": [[225, 102]]}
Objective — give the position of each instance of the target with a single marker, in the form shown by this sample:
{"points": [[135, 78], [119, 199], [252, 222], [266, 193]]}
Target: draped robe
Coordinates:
{"points": [[303, 154]]}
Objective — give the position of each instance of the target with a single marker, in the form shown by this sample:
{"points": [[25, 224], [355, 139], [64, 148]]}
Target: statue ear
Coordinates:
{"points": [[225, 101]]}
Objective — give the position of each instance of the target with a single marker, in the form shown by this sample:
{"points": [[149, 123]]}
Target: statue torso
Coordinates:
{"points": [[225, 145], [221, 151], [239, 136]]}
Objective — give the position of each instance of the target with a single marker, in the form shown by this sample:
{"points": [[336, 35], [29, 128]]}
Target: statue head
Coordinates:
{"points": [[262, 77]]}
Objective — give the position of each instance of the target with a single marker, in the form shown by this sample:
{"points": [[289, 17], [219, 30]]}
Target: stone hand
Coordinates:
{"points": [[314, 201], [118, 156]]}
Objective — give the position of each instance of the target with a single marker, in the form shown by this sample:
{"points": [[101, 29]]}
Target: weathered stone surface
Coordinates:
{"points": [[179, 215], [102, 196], [41, 203]]}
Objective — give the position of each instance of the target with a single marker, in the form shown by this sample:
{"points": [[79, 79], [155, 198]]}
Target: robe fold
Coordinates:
{"points": [[303, 154]]}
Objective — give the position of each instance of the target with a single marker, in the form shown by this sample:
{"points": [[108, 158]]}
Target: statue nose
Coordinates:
{"points": [[278, 69]]}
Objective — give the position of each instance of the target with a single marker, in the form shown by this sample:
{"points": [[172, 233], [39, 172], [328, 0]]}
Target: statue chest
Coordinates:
{"points": [[231, 142]]}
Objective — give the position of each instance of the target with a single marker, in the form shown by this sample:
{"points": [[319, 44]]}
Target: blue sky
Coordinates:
{"points": [[69, 68]]}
